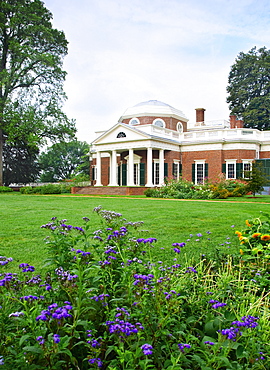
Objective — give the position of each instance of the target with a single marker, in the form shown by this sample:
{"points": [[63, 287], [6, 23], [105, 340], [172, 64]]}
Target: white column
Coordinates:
{"points": [[130, 168], [149, 167], [113, 168], [161, 166], [98, 164]]}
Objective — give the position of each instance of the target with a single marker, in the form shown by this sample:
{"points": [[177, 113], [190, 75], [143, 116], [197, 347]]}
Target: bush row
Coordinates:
{"points": [[183, 189], [47, 189]]}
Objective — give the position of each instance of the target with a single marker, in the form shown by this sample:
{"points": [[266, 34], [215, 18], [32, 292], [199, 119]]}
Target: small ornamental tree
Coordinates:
{"points": [[256, 179]]}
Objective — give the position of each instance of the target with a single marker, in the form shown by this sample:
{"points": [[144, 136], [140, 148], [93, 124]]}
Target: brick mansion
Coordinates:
{"points": [[152, 141]]}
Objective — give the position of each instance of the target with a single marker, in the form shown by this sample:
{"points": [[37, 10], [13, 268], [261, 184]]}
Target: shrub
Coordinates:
{"points": [[104, 301], [5, 189]]}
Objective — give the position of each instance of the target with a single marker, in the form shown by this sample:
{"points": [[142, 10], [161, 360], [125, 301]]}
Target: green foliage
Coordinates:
{"points": [[256, 179], [249, 88], [31, 75], [20, 163], [46, 189], [105, 301], [65, 161], [183, 189], [5, 189]]}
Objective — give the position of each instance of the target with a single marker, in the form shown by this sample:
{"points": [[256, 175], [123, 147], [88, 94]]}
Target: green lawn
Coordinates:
{"points": [[167, 220]]}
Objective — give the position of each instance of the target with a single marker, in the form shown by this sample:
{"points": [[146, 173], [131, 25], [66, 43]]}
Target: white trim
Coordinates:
{"points": [[229, 162], [198, 162]]}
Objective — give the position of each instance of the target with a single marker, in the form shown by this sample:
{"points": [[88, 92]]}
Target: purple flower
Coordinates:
{"points": [[40, 340], [191, 269], [97, 361], [147, 349], [56, 338], [247, 322], [182, 346], [210, 343], [16, 314], [216, 304], [231, 333]]}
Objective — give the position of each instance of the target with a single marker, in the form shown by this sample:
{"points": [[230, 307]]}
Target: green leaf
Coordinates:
{"points": [[32, 349]]}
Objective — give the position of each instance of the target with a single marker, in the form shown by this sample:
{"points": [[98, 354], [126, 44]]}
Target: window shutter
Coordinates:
{"points": [[193, 172], [206, 170], [124, 174], [174, 169], [165, 169], [93, 173], [142, 174], [180, 169], [239, 170], [223, 170]]}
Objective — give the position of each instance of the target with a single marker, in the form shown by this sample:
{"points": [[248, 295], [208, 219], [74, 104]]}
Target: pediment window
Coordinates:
{"points": [[121, 134]]}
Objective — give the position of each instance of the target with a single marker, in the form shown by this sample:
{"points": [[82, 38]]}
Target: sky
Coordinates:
{"points": [[124, 52]]}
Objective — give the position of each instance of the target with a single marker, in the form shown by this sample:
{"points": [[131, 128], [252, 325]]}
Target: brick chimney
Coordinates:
{"points": [[236, 123], [199, 116]]}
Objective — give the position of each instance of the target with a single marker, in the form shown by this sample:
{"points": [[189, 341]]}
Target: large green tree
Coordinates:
{"points": [[64, 160], [31, 76], [20, 163], [249, 88]]}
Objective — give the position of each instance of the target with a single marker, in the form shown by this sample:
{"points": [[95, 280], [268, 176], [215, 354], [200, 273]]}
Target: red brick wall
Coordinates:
{"points": [[170, 122], [214, 158]]}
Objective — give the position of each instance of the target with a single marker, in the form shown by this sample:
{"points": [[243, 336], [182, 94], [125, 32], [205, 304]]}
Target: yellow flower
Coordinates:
{"points": [[241, 252], [247, 223], [238, 233], [256, 235], [265, 237]]}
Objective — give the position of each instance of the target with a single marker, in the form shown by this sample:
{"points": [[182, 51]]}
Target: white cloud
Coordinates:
{"points": [[123, 52]]}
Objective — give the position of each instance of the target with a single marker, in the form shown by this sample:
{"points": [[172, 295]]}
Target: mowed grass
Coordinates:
{"points": [[167, 220]]}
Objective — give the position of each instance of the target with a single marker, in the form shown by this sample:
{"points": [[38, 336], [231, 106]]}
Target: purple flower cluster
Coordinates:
{"points": [[143, 280], [231, 333], [5, 260], [7, 279], [121, 312], [118, 233], [94, 361], [56, 338], [26, 267], [191, 269], [100, 297], [31, 298], [65, 275], [123, 327], [177, 246], [40, 340], [216, 304], [247, 322], [183, 346], [148, 240], [147, 349], [168, 295], [55, 312]]}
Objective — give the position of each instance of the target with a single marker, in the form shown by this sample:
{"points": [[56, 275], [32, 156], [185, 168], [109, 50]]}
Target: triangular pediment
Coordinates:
{"points": [[120, 133]]}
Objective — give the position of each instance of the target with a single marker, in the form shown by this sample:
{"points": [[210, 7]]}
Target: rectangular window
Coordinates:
{"points": [[247, 166], [199, 172], [231, 169], [176, 170]]}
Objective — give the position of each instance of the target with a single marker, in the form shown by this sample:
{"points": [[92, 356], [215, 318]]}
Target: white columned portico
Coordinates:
{"points": [[130, 167], [113, 168], [98, 163], [149, 167], [161, 166]]}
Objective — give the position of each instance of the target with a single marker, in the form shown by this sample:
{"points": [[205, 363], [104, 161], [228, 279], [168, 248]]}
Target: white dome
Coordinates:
{"points": [[153, 108]]}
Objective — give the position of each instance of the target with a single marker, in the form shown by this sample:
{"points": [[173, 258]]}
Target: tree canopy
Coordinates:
{"points": [[31, 76], [20, 163], [64, 160], [249, 88]]}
